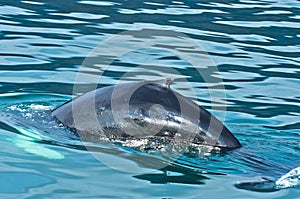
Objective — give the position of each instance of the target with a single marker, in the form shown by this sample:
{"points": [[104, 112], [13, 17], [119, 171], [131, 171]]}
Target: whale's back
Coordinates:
{"points": [[143, 109]]}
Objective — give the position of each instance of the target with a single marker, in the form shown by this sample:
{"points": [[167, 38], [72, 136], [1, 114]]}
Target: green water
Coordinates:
{"points": [[253, 59]]}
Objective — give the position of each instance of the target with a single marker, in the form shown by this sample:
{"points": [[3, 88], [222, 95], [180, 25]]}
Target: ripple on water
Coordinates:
{"points": [[254, 44]]}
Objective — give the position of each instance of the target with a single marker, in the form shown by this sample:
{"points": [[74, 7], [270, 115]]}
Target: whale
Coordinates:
{"points": [[143, 109]]}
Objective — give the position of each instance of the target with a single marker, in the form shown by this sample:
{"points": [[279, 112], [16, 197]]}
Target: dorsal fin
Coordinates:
{"points": [[165, 82], [169, 81]]}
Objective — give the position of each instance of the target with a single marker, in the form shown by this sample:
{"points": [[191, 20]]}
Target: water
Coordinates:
{"points": [[253, 44]]}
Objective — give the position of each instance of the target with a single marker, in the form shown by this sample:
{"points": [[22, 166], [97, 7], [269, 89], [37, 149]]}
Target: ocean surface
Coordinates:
{"points": [[238, 59]]}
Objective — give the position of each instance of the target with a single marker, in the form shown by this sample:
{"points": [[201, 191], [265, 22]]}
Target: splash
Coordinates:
{"points": [[291, 179], [25, 118]]}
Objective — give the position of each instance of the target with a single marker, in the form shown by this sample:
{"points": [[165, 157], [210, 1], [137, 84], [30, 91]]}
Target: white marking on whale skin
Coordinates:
{"points": [[26, 141]]}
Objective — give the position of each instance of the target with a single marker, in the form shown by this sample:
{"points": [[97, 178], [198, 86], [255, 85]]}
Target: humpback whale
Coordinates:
{"points": [[143, 109]]}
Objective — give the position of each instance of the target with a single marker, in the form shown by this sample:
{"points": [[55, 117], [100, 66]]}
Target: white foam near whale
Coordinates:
{"points": [[289, 180]]}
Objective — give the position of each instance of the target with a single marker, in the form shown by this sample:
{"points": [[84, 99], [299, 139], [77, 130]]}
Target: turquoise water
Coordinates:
{"points": [[254, 45]]}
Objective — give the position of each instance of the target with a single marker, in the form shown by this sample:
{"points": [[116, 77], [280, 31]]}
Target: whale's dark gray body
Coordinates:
{"points": [[143, 109]]}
